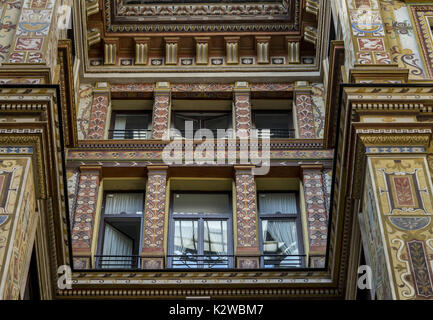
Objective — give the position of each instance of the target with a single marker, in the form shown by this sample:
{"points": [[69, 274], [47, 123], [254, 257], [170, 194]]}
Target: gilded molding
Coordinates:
{"points": [[25, 139], [396, 139]]}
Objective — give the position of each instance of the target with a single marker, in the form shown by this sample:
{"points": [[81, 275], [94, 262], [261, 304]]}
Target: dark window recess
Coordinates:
{"points": [[362, 294], [32, 286], [281, 233], [202, 120], [280, 124], [130, 126], [201, 231], [120, 231]]}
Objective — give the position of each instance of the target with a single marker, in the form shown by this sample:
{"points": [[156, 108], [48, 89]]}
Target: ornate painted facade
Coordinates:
{"points": [[326, 104]]}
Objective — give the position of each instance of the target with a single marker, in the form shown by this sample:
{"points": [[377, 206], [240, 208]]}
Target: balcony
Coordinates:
{"points": [[276, 133], [267, 261], [134, 134]]}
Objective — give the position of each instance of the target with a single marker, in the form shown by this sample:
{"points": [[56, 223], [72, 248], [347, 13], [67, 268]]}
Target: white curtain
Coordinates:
{"points": [[116, 244], [270, 203], [119, 127], [185, 243], [283, 233], [121, 203]]}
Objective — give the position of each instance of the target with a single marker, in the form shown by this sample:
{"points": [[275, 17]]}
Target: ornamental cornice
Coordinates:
{"points": [[26, 139], [418, 139]]}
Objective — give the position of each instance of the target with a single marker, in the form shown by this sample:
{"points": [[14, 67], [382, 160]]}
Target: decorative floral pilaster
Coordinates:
{"points": [[242, 109], [100, 112], [84, 216], [161, 110], [247, 245], [304, 111], [315, 207], [154, 218]]}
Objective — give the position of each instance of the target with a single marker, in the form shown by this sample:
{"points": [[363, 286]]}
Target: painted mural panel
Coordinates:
{"points": [[18, 219], [318, 104], [9, 15], [404, 198], [373, 242], [401, 37], [85, 95]]}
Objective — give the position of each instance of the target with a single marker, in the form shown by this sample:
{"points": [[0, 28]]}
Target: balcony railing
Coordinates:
{"points": [[136, 134], [200, 261], [261, 133], [273, 261], [276, 133], [117, 262]]}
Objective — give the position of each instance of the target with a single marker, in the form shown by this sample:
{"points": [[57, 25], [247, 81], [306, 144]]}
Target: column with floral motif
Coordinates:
{"points": [[247, 243], [161, 111], [153, 250], [84, 216]]}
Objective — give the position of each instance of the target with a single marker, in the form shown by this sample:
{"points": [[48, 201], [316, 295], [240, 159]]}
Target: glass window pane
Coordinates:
{"points": [[185, 243], [194, 203], [130, 126], [136, 121], [271, 203], [215, 244], [124, 203], [280, 237], [117, 250], [272, 121], [218, 122], [180, 119], [215, 237]]}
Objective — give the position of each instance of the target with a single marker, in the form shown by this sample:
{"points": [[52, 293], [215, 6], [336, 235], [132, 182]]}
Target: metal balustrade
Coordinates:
{"points": [[189, 261], [258, 133], [135, 134]]}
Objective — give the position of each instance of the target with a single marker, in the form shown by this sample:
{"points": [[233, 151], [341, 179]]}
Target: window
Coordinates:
{"points": [[201, 230], [280, 229], [280, 123], [130, 125], [120, 232], [202, 120]]}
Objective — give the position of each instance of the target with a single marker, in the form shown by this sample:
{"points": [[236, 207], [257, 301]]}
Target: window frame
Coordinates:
{"points": [[282, 216], [200, 217], [290, 125], [127, 112], [227, 112], [108, 218]]}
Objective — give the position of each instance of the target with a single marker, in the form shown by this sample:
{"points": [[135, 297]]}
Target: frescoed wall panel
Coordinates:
{"points": [[404, 199], [18, 219]]}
